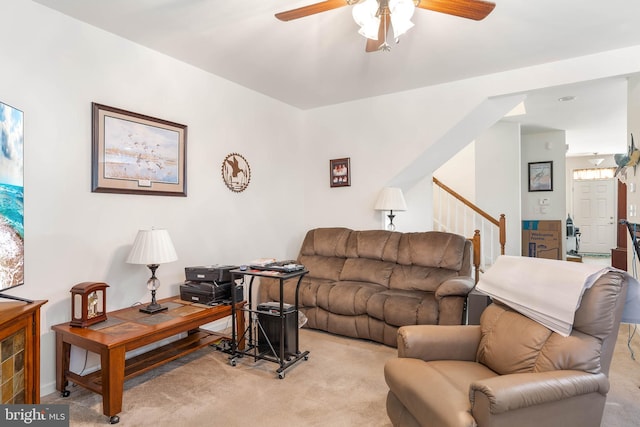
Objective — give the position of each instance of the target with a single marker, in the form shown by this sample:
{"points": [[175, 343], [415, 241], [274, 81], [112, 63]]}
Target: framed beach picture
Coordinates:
{"points": [[137, 154], [340, 172], [11, 197], [541, 176]]}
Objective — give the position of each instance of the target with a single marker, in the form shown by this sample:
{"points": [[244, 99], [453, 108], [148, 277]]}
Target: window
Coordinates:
{"points": [[589, 174]]}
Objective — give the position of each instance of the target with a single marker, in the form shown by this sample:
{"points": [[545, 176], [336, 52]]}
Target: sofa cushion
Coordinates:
{"points": [[350, 326], [308, 296], [367, 270], [595, 315], [432, 249], [328, 242], [399, 308], [447, 382], [269, 290], [419, 278], [349, 298], [322, 267], [373, 244], [512, 343]]}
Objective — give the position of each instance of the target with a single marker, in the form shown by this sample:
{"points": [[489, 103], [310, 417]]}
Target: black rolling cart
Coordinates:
{"points": [[272, 330]]}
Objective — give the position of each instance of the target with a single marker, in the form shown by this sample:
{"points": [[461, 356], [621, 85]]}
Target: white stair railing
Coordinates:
{"points": [[455, 214]]}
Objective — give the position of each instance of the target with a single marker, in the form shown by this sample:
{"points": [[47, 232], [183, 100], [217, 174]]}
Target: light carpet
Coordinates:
{"points": [[342, 384]]}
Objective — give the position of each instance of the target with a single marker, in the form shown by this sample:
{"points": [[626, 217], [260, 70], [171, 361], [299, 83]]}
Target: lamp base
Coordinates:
{"points": [[153, 308], [153, 283], [391, 226]]}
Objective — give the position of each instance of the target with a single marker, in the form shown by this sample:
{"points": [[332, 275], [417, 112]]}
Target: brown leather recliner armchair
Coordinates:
{"points": [[509, 370]]}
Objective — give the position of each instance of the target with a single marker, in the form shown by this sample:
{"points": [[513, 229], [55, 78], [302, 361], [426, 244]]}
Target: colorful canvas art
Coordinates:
{"points": [[11, 197]]}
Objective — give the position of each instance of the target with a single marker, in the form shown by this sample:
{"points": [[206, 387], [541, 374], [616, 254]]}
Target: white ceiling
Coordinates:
{"points": [[320, 60]]}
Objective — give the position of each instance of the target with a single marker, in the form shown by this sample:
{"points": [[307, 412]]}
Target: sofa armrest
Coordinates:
{"points": [[516, 391], [439, 342], [458, 286]]}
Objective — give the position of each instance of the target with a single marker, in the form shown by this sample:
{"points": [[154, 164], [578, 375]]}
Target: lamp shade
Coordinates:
{"points": [[152, 247], [391, 199]]}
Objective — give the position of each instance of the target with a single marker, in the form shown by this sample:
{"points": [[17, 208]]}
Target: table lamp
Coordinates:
{"points": [[391, 199], [152, 248]]}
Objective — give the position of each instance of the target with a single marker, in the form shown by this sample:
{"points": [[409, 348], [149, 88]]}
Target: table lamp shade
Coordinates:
{"points": [[391, 199], [152, 247]]}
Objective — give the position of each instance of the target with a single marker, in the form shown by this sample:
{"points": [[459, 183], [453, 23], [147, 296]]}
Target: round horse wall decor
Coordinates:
{"points": [[236, 172]]}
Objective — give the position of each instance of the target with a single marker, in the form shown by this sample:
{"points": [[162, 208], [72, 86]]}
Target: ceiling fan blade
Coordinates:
{"points": [[374, 45], [312, 9], [470, 9]]}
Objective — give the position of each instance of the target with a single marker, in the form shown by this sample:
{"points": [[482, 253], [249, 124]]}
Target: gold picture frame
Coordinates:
{"points": [[137, 154]]}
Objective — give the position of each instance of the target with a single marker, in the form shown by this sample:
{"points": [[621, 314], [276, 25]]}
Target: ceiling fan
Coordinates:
{"points": [[375, 17]]}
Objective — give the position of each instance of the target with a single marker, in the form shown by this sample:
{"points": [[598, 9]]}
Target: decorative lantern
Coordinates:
{"points": [[88, 303]]}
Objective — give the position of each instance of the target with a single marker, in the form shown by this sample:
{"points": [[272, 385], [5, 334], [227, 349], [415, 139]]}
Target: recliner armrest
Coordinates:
{"points": [[439, 342], [515, 391], [458, 286]]}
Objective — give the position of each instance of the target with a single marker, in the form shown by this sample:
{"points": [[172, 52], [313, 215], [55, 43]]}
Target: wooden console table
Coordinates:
{"points": [[20, 338], [128, 329]]}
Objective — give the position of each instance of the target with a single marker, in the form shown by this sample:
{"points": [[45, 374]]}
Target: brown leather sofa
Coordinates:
{"points": [[509, 370], [366, 284]]}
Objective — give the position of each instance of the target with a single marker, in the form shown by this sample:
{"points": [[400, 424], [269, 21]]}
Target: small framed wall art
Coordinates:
{"points": [[340, 172], [541, 176], [137, 154], [236, 172]]}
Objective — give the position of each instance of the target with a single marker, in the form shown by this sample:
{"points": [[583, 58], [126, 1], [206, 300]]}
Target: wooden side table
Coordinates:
{"points": [[20, 341], [128, 329]]}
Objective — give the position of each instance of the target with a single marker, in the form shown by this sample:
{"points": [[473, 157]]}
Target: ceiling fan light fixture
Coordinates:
{"points": [[400, 27], [365, 13], [401, 12], [396, 13], [370, 30]]}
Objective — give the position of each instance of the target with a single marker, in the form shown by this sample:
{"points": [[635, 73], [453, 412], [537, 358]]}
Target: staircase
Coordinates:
{"points": [[455, 214]]}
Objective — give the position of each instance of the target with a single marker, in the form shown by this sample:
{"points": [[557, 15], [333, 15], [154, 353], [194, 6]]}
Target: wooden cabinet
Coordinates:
{"points": [[20, 352]]}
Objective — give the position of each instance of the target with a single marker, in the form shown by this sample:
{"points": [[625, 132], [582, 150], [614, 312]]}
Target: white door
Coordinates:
{"points": [[594, 214]]}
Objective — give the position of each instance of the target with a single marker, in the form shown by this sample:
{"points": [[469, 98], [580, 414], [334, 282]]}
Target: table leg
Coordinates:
{"points": [[63, 356], [240, 325], [112, 362]]}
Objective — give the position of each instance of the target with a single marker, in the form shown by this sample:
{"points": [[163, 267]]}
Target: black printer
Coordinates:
{"points": [[209, 285], [209, 273], [208, 292]]}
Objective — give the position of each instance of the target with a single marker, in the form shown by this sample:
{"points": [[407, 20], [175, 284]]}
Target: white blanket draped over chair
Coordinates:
{"points": [[549, 291]]}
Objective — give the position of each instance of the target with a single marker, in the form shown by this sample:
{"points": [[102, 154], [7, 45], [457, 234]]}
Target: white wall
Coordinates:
{"points": [[487, 172], [541, 147], [459, 172], [498, 178], [400, 139], [53, 67]]}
